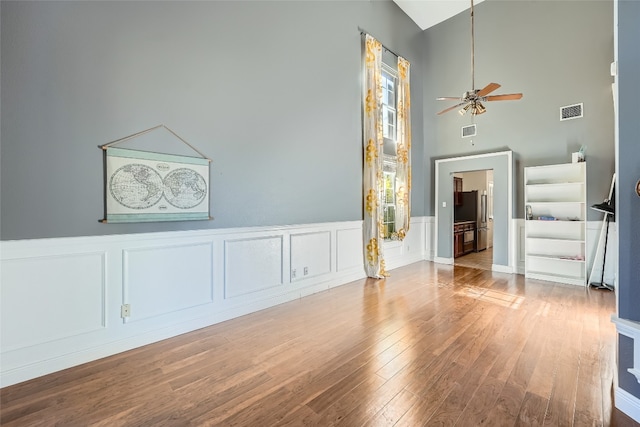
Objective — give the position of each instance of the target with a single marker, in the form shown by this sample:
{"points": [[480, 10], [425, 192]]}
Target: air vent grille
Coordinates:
{"points": [[468, 131], [569, 112]]}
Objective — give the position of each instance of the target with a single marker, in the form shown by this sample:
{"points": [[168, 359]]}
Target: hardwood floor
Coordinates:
{"points": [[430, 345], [482, 259]]}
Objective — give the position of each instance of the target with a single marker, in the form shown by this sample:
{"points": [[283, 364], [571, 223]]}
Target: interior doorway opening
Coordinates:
{"points": [[473, 218], [502, 207]]}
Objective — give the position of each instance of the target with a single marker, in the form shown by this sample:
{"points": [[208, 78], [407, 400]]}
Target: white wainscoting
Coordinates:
{"points": [[595, 251], [519, 245], [61, 299], [625, 401]]}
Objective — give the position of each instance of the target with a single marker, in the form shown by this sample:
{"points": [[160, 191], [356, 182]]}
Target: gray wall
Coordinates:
{"points": [[556, 53], [627, 174], [269, 90]]}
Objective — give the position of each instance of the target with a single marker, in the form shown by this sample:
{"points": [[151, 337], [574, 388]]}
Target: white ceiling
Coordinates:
{"points": [[427, 13]]}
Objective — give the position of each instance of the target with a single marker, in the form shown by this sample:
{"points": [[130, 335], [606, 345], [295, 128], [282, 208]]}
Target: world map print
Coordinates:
{"points": [[184, 188], [138, 186]]}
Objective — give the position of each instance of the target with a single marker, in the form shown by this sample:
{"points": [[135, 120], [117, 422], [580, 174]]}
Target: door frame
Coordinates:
{"points": [[444, 214]]}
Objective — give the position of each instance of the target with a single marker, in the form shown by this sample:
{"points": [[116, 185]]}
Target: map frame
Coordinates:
{"points": [[133, 197]]}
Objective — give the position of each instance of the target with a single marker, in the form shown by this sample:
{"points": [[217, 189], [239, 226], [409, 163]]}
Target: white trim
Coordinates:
{"points": [[441, 260], [474, 156], [635, 373], [630, 329], [519, 259], [429, 223], [501, 268], [626, 327], [510, 244], [627, 403]]}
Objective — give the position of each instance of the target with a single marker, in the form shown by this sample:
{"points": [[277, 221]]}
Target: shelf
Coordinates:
{"points": [[556, 191], [554, 184], [558, 278], [555, 239], [557, 220], [559, 230], [553, 202], [555, 258], [555, 174], [548, 221]]}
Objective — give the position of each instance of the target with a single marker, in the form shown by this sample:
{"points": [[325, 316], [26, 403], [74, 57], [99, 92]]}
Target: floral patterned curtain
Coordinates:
{"points": [[373, 144], [403, 141]]}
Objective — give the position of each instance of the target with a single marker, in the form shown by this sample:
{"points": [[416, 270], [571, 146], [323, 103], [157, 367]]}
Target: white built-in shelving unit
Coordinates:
{"points": [[555, 236]]}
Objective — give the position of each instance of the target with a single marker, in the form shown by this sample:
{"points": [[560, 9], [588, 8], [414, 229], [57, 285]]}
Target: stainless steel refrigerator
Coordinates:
{"points": [[474, 208]]}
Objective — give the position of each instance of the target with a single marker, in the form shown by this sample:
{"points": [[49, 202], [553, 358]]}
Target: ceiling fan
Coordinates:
{"points": [[475, 97]]}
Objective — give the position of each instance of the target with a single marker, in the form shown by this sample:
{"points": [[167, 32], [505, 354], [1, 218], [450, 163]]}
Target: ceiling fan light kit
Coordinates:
{"points": [[473, 99]]}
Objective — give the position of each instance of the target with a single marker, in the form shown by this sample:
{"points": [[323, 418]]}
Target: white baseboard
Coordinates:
{"points": [[501, 268], [442, 260], [627, 403]]}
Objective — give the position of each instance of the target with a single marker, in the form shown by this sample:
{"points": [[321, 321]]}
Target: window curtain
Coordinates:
{"points": [[403, 141], [373, 142]]}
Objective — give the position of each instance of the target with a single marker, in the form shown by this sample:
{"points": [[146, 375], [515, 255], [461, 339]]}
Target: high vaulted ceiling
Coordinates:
{"points": [[427, 13]]}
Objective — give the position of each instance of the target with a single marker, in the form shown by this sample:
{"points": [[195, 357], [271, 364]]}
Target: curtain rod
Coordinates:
{"points": [[363, 32]]}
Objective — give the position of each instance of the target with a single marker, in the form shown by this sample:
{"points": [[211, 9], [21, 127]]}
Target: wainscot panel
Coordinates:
{"points": [[310, 254], [411, 249], [162, 280], [252, 265], [58, 297], [349, 249]]}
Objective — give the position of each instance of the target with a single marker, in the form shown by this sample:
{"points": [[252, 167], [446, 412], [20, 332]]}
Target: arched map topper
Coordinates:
{"points": [[143, 186]]}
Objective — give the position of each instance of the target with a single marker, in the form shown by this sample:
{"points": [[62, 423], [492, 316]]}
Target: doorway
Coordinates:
{"points": [[473, 219], [502, 207]]}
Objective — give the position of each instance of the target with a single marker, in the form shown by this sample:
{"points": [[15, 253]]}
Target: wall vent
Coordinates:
{"points": [[571, 112], [468, 131]]}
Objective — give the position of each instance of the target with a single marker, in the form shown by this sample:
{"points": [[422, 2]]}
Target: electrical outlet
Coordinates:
{"points": [[125, 310], [293, 273], [306, 271]]}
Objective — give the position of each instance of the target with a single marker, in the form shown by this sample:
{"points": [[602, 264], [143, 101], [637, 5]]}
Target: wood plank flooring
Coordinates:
{"points": [[430, 345], [482, 260]]}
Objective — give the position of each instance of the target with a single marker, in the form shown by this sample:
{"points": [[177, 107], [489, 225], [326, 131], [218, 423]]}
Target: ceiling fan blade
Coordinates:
{"points": [[488, 89], [450, 108], [508, 97], [445, 98]]}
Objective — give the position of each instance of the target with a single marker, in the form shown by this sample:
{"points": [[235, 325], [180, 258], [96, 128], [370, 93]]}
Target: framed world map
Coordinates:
{"points": [[143, 186]]}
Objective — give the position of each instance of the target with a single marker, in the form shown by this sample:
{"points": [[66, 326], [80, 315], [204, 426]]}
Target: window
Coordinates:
{"points": [[388, 193], [388, 103]]}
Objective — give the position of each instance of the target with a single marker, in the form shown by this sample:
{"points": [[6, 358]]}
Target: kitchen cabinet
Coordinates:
{"points": [[555, 225], [458, 243], [463, 238], [457, 191]]}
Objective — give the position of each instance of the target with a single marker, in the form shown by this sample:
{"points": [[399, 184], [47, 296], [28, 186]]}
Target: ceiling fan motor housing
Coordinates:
{"points": [[471, 94]]}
